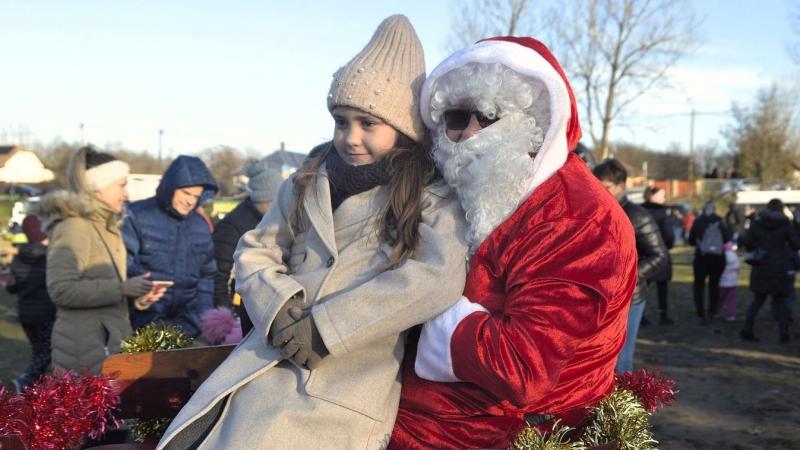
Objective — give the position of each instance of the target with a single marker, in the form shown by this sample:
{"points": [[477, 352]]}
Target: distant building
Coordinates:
{"points": [[284, 161], [19, 165]]}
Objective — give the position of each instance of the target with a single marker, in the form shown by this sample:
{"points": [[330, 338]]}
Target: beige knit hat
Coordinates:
{"points": [[385, 78]]}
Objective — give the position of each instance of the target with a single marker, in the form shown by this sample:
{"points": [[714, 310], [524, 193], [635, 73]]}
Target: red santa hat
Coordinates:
{"points": [[530, 58]]}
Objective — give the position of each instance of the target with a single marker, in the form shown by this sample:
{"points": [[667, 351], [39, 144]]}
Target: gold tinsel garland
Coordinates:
{"points": [[150, 338], [619, 418], [532, 439], [154, 337]]}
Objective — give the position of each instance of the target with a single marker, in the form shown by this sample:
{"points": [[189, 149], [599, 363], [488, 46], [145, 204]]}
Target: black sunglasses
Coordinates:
{"points": [[458, 119]]}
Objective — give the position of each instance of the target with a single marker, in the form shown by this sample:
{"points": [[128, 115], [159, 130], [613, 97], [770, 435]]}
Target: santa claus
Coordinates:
{"points": [[553, 260]]}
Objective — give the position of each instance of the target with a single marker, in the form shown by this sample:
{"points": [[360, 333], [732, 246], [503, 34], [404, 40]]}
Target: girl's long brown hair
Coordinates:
{"points": [[411, 168]]}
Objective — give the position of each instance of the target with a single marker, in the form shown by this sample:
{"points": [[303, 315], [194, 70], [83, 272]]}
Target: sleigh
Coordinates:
{"points": [[157, 384]]}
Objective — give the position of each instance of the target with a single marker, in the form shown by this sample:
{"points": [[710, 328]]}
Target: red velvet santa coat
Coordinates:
{"points": [[556, 278]]}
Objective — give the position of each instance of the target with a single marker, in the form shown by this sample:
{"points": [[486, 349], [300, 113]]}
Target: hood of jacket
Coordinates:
{"points": [[772, 220], [63, 204], [185, 171]]}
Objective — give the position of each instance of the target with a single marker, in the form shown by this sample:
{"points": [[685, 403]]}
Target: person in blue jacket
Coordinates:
{"points": [[166, 238]]}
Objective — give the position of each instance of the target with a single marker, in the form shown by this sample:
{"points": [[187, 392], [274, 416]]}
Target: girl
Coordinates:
{"points": [[354, 251], [729, 281], [86, 269]]}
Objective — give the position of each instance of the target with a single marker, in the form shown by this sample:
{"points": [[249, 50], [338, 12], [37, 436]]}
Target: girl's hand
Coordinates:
{"points": [[283, 319]]}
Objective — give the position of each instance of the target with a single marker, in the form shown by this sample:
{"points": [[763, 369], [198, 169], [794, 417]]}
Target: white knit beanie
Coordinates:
{"points": [[385, 78], [101, 176]]}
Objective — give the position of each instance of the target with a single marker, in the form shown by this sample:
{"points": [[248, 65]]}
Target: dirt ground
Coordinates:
{"points": [[733, 395]]}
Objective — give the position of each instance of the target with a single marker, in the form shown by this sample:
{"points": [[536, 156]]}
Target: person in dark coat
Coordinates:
{"points": [[262, 186], [735, 220], [771, 232], [653, 254], [708, 235], [166, 237], [35, 310], [654, 204]]}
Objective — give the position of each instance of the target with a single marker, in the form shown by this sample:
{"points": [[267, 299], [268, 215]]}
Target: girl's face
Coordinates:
{"points": [[361, 138], [115, 194]]}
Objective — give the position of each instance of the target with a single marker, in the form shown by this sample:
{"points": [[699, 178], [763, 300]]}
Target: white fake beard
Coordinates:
{"points": [[490, 171]]}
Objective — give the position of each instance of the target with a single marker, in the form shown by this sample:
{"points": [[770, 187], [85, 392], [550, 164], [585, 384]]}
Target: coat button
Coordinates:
{"points": [[331, 261]]}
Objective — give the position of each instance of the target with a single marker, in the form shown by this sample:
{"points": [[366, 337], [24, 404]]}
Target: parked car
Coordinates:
{"points": [[24, 189]]}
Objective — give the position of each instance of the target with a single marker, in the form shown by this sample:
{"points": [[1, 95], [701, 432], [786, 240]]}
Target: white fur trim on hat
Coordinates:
{"points": [[528, 62], [101, 176], [434, 361]]}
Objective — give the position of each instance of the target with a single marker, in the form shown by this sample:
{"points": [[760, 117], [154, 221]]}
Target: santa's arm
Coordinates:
{"points": [[558, 284]]}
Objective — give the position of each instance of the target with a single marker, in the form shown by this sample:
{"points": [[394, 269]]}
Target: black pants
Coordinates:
{"points": [[780, 308], [39, 336], [711, 267], [661, 289]]}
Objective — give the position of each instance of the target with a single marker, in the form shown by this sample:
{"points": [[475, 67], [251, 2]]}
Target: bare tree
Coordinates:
{"points": [[55, 156], [480, 19], [662, 165], [224, 163], [708, 160], [765, 136], [617, 50], [614, 51]]}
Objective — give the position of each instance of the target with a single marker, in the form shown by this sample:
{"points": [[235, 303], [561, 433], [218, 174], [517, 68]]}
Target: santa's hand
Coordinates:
{"points": [[434, 360]]}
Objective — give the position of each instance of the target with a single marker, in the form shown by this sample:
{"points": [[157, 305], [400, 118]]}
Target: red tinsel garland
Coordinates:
{"points": [[60, 411], [654, 390]]}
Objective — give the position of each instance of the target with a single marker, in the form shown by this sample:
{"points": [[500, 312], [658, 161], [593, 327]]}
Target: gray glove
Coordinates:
{"points": [[302, 341], [283, 319]]}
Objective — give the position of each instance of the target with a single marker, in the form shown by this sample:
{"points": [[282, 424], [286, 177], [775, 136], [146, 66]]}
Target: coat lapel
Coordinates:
{"points": [[318, 207]]}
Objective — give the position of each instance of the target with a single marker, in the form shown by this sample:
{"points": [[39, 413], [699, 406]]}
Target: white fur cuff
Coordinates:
{"points": [[434, 361], [101, 176]]}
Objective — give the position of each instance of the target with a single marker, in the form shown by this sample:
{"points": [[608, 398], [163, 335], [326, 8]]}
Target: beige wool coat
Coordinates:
{"points": [[85, 268], [362, 312]]}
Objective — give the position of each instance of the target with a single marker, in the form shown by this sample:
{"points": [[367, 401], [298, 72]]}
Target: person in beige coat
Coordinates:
{"points": [[359, 246], [86, 262]]}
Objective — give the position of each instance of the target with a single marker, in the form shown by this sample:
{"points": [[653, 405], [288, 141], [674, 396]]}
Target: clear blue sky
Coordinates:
{"points": [[254, 73]]}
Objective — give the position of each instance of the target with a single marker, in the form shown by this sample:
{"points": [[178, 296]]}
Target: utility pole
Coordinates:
{"points": [[82, 140], [646, 175], [691, 145], [160, 134]]}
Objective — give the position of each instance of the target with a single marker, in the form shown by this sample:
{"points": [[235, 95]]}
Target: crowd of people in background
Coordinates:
{"points": [[96, 268], [115, 266], [770, 238]]}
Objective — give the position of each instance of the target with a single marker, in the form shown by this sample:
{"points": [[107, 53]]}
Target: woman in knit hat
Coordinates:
{"points": [[86, 268], [359, 246]]}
